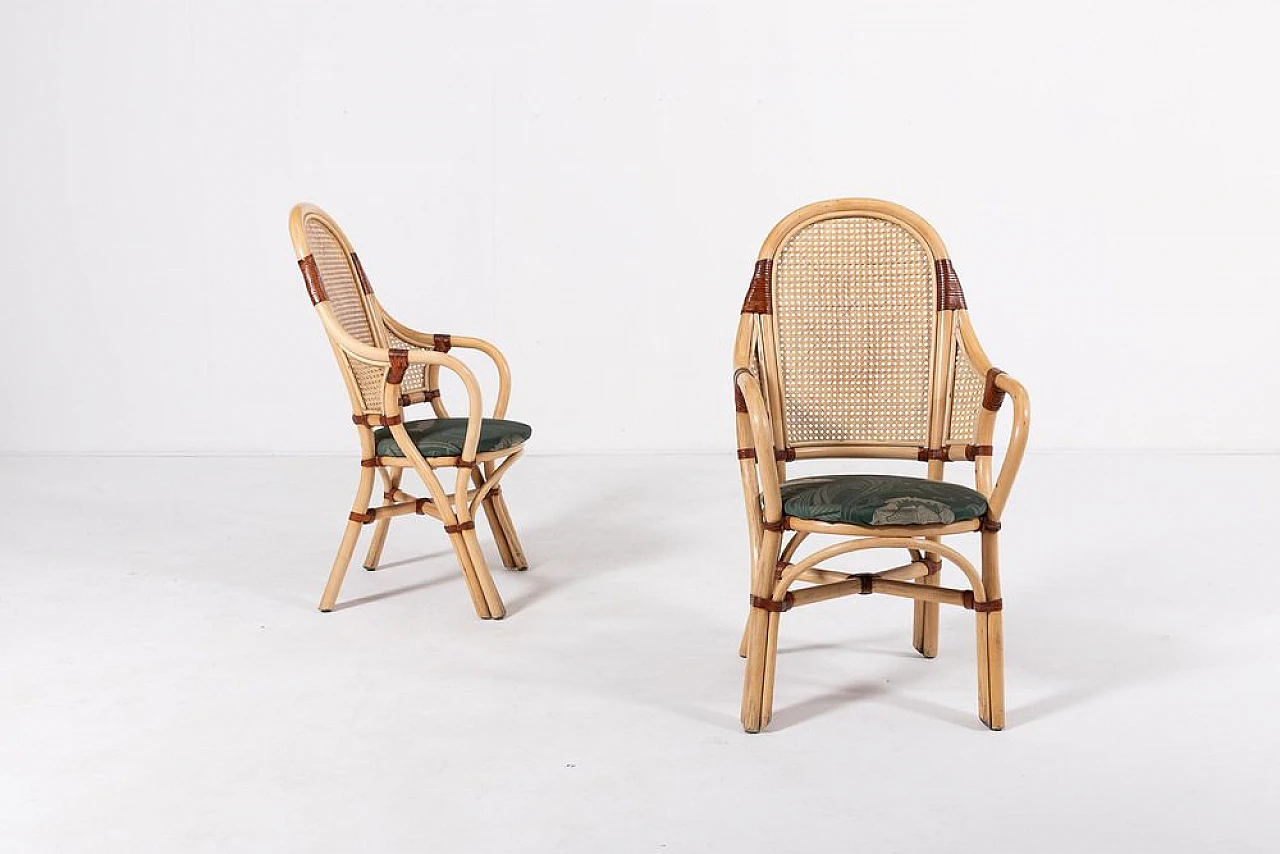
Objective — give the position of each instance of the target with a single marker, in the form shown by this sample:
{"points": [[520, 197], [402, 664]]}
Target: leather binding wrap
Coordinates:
{"points": [[399, 364], [992, 396], [760, 295], [950, 296], [364, 280], [769, 605], [311, 276]]}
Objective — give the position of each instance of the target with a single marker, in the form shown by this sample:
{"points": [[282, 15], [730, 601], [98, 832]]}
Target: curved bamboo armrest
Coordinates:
{"points": [[1017, 444], [397, 362], [761, 429], [432, 342]]}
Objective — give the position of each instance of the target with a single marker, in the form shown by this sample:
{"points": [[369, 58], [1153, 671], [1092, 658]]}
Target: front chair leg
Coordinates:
{"points": [[359, 508], [481, 569], [925, 627], [461, 552], [991, 639]]}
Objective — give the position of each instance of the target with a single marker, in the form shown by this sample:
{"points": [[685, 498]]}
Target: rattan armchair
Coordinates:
{"points": [[854, 341], [388, 366]]}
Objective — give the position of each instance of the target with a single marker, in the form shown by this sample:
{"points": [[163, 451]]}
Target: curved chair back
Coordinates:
{"points": [[852, 323]]}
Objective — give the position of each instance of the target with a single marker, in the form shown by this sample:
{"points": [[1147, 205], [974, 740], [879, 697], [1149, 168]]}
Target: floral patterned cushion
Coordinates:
{"points": [[443, 437], [880, 499]]}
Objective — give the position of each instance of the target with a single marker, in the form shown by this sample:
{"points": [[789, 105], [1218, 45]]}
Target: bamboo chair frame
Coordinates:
{"points": [[396, 368], [765, 446]]}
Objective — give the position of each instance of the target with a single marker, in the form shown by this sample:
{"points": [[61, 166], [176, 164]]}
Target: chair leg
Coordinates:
{"points": [[991, 639], [381, 527], [469, 575], [518, 560], [746, 637], [348, 545], [761, 640], [499, 534], [485, 580], [925, 627], [753, 716]]}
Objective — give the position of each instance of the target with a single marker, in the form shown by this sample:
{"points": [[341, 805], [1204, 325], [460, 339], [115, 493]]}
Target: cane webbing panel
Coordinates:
{"points": [[347, 302], [966, 400], [855, 307]]}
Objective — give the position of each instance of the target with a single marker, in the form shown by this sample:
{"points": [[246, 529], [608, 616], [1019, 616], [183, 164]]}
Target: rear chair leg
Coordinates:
{"points": [[518, 561], [352, 533], [380, 527]]}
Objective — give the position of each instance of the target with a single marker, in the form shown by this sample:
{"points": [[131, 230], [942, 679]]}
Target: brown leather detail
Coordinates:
{"points": [[785, 455], [420, 506], [780, 568], [746, 453], [760, 295], [441, 343], [364, 280], [422, 396], [770, 605], [311, 275], [774, 526], [739, 400], [495, 492], [388, 496], [370, 463], [981, 607], [375, 420], [459, 528], [934, 564], [362, 518], [868, 580], [972, 452], [950, 296], [989, 525], [992, 397], [924, 455], [465, 464], [399, 364]]}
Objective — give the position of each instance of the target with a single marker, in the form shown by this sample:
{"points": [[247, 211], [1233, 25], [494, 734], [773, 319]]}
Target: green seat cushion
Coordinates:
{"points": [[443, 437], [880, 499]]}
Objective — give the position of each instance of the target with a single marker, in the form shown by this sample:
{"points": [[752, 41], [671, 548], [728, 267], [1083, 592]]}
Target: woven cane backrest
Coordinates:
{"points": [[967, 386], [854, 313], [853, 326], [343, 288]]}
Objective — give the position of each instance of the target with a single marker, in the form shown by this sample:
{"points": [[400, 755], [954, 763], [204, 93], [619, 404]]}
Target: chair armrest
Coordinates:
{"points": [[761, 431], [434, 342], [1017, 444], [397, 362]]}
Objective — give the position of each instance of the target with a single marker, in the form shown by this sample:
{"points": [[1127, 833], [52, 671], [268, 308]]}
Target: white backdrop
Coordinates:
{"points": [[586, 184]]}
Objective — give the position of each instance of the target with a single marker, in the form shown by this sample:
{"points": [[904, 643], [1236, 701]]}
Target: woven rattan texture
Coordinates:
{"points": [[347, 302], [966, 400], [854, 303]]}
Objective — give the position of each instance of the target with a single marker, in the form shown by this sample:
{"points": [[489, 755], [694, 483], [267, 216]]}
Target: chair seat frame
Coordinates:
{"points": [[476, 482], [763, 455]]}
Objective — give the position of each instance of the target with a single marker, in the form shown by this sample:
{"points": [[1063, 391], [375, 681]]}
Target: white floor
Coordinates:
{"points": [[167, 685]]}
